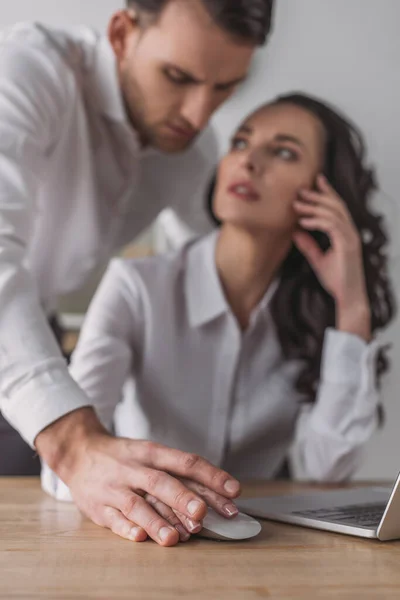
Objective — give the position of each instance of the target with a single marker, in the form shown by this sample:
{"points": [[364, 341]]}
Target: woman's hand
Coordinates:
{"points": [[340, 269]]}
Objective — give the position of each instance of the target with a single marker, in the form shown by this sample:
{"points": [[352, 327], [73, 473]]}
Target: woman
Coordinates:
{"points": [[258, 339]]}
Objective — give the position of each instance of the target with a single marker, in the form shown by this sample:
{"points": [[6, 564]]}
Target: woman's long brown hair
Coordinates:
{"points": [[301, 308]]}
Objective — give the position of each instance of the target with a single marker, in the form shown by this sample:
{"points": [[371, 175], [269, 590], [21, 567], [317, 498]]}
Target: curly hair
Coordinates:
{"points": [[301, 307]]}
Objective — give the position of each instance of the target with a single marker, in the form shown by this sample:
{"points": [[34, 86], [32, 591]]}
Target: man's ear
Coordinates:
{"points": [[122, 25]]}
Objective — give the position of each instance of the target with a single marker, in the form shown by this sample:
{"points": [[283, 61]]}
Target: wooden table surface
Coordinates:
{"points": [[48, 550]]}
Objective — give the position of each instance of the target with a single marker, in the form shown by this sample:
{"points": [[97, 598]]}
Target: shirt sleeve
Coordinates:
{"points": [[110, 340], [107, 351], [35, 387], [332, 434]]}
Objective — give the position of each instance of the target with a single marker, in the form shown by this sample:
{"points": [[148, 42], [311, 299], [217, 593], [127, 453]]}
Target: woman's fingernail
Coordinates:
{"points": [[193, 507], [230, 510], [232, 487], [183, 534], [164, 533], [194, 526]]}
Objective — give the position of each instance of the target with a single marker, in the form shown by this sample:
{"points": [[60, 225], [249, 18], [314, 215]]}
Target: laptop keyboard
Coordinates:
{"points": [[365, 515]]}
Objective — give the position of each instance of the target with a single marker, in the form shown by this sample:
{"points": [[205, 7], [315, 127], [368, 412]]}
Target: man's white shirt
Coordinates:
{"points": [[75, 186]]}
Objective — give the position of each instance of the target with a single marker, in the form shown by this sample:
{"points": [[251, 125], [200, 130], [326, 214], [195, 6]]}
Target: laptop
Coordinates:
{"points": [[370, 512]]}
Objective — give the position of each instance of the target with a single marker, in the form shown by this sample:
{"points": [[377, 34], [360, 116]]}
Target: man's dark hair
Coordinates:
{"points": [[247, 20]]}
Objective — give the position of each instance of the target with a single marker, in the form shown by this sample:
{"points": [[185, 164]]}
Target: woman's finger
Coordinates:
{"points": [[219, 503], [189, 524], [137, 510], [309, 247], [324, 186], [113, 519], [307, 211], [169, 515], [318, 224], [335, 204], [321, 219]]}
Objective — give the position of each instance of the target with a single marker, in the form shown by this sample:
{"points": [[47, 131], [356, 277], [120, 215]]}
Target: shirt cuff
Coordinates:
{"points": [[346, 356], [42, 401]]}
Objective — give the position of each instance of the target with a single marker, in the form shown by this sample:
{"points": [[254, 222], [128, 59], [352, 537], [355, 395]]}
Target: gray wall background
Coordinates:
{"points": [[346, 51]]}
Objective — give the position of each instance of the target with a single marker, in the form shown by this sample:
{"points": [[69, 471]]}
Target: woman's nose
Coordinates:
{"points": [[254, 162]]}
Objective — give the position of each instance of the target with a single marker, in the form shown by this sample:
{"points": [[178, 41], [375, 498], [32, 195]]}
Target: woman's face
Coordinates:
{"points": [[278, 151]]}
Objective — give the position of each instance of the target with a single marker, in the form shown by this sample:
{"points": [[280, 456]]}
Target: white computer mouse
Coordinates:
{"points": [[240, 527]]}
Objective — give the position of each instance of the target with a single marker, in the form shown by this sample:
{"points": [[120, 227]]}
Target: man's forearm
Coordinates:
{"points": [[61, 443]]}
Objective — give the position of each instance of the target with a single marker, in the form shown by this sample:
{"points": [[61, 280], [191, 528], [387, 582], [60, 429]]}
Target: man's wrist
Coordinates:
{"points": [[63, 442]]}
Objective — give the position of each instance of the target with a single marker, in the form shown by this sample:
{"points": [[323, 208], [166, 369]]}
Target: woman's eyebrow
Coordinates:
{"points": [[280, 137], [284, 137]]}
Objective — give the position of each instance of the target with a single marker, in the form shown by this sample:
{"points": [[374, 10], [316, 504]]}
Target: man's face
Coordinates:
{"points": [[176, 72]]}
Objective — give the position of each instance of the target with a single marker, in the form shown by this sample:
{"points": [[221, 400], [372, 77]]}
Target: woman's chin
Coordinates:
{"points": [[257, 227]]}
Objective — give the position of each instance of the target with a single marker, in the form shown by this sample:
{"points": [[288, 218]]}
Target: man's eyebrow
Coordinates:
{"points": [[195, 80], [245, 129], [232, 83]]}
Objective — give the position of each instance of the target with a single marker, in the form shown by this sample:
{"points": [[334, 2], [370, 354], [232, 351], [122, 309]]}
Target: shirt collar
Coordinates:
{"points": [[203, 291], [205, 297]]}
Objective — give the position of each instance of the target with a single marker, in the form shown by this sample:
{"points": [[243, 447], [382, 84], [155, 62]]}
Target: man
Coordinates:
{"points": [[96, 138]]}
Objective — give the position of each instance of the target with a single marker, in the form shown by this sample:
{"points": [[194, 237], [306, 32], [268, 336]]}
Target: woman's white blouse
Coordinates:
{"points": [[162, 355]]}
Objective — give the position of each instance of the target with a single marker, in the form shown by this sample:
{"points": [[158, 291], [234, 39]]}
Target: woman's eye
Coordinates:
{"points": [[238, 144], [286, 154]]}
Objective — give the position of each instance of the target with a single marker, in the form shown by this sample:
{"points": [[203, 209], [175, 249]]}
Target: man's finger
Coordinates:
{"points": [[171, 491], [113, 519], [190, 466]]}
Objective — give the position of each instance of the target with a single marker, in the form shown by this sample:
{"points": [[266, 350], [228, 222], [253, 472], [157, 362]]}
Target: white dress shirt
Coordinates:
{"points": [[161, 338], [75, 187]]}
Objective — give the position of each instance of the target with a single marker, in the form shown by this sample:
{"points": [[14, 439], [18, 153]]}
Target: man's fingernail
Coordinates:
{"points": [[194, 526], [184, 535], [164, 533], [231, 486], [134, 533], [193, 507], [230, 510]]}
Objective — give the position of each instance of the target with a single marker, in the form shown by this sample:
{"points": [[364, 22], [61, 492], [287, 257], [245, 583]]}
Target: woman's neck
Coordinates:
{"points": [[247, 262]]}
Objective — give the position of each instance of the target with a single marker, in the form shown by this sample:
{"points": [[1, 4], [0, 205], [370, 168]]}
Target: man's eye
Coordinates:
{"points": [[238, 144], [177, 77]]}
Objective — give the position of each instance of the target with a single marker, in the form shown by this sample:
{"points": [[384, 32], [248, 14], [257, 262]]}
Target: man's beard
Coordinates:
{"points": [[135, 110], [135, 106]]}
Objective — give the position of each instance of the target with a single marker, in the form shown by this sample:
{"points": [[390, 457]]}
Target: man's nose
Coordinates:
{"points": [[198, 108]]}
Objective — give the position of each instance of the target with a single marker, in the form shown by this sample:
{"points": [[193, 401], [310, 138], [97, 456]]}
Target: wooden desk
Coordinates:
{"points": [[47, 550]]}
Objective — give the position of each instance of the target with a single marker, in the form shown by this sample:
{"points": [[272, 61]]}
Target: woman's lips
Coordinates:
{"points": [[245, 191]]}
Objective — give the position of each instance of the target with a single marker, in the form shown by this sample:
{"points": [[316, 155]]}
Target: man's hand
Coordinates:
{"points": [[109, 478]]}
